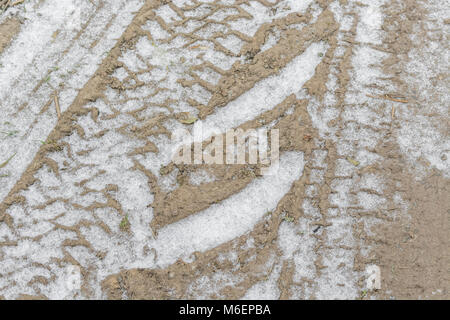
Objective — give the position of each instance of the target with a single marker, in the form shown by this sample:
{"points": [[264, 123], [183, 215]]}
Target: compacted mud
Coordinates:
{"points": [[8, 29], [356, 89]]}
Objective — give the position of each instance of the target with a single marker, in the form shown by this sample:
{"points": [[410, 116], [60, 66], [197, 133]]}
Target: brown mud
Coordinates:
{"points": [[8, 30], [412, 250]]}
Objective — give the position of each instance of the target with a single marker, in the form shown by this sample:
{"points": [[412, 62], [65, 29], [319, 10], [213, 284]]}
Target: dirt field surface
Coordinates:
{"points": [[92, 205]]}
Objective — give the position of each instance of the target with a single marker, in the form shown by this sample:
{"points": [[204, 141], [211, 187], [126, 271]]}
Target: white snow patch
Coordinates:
{"points": [[267, 93], [231, 218]]}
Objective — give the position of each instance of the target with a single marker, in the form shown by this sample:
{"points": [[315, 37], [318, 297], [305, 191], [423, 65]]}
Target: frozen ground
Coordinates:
{"points": [[91, 92]]}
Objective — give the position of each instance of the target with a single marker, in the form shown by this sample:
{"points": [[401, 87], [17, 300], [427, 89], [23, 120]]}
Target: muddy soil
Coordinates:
{"points": [[101, 194], [8, 30]]}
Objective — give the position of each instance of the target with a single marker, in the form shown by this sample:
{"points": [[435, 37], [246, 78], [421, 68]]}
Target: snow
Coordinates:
{"points": [[20, 74]]}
